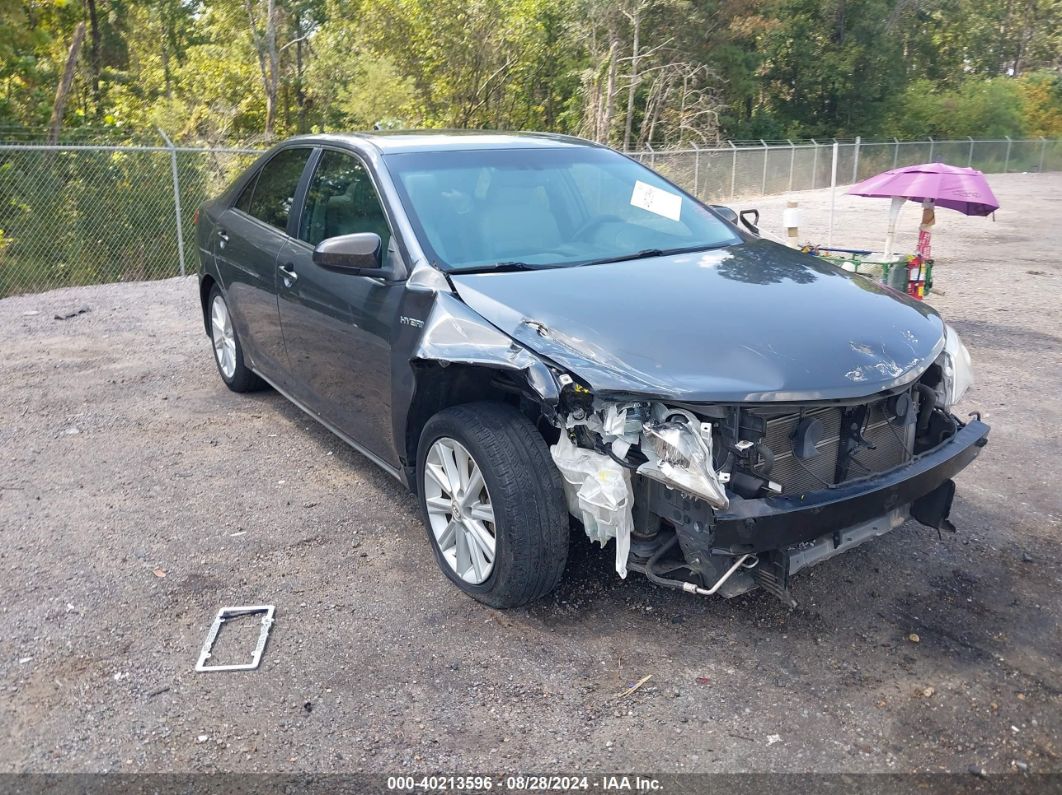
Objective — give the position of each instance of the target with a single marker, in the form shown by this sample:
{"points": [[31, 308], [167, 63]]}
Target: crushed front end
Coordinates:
{"points": [[721, 498]]}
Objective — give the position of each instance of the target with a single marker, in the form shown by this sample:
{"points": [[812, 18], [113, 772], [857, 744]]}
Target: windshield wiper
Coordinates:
{"points": [[500, 267], [653, 252]]}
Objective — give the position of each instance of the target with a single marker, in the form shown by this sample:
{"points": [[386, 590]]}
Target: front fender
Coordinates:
{"points": [[454, 335]]}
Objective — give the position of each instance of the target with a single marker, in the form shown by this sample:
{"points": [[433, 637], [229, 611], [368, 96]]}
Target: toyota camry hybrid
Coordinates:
{"points": [[533, 332]]}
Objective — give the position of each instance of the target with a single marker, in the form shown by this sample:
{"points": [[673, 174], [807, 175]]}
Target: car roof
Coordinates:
{"points": [[394, 141]]}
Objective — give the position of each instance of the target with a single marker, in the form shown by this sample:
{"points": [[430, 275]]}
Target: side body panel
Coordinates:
{"points": [[246, 240], [338, 330], [247, 264]]}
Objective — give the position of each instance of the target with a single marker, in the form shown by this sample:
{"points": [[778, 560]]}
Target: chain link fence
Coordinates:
{"points": [[84, 214], [749, 171], [78, 214]]}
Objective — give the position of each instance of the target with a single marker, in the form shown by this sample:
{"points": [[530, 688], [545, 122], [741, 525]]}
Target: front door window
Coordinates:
{"points": [[341, 200]]}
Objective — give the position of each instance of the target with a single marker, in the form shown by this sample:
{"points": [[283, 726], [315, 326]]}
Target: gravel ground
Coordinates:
{"points": [[138, 495]]}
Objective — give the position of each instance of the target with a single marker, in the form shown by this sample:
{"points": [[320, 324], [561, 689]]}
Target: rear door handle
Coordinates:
{"points": [[289, 274], [223, 237]]}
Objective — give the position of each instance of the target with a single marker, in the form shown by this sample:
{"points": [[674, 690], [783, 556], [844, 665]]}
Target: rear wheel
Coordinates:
{"points": [[493, 503], [228, 353]]}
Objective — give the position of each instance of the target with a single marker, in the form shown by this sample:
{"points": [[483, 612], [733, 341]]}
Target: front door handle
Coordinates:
{"points": [[289, 274]]}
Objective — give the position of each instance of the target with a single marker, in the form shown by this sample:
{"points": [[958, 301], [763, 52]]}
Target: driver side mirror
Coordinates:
{"points": [[733, 217], [358, 254], [726, 212]]}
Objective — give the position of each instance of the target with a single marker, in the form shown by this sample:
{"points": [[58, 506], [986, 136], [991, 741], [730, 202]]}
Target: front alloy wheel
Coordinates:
{"points": [[459, 510], [493, 503]]}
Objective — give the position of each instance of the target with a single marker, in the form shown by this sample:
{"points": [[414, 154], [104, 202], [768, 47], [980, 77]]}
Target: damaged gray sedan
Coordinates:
{"points": [[533, 332]]}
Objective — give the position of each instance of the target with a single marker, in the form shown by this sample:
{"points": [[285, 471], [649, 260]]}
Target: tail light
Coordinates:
{"points": [[195, 217]]}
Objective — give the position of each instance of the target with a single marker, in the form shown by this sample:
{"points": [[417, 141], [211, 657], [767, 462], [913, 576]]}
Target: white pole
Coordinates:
{"points": [[792, 158], [176, 197], [733, 170], [833, 192], [1006, 163], [763, 184], [696, 170], [894, 213], [815, 164], [791, 222], [855, 163]]}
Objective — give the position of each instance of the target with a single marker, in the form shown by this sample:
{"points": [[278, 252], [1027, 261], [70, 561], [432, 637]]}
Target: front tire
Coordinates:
{"points": [[492, 501], [228, 353]]}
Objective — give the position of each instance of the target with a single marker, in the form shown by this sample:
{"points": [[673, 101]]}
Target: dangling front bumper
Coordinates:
{"points": [[773, 523]]}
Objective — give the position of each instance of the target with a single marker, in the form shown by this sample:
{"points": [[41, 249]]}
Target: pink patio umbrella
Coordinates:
{"points": [[932, 184]]}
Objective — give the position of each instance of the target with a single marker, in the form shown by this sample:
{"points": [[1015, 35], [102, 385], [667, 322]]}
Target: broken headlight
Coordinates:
{"points": [[679, 449], [957, 368]]}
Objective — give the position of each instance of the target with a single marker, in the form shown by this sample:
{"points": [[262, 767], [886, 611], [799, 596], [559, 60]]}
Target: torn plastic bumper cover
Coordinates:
{"points": [[598, 492]]}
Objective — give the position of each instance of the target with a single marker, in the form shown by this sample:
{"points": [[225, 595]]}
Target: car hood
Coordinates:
{"points": [[755, 321]]}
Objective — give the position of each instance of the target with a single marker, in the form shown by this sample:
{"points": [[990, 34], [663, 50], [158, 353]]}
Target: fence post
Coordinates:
{"points": [[1043, 151], [652, 154], [176, 196], [855, 165], [896, 153], [931, 145], [696, 169], [763, 182], [733, 171], [833, 191], [792, 158], [1006, 162], [814, 164], [969, 160]]}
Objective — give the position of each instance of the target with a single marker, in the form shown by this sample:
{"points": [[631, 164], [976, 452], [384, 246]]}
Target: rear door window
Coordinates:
{"points": [[274, 192], [244, 202]]}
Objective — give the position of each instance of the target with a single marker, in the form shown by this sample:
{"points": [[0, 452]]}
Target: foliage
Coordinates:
{"points": [[627, 72], [1041, 100], [986, 109], [994, 108]]}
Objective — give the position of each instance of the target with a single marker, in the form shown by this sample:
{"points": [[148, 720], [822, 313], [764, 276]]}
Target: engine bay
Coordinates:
{"points": [[657, 477]]}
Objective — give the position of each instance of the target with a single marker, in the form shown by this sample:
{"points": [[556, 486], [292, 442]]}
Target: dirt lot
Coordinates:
{"points": [[138, 495]]}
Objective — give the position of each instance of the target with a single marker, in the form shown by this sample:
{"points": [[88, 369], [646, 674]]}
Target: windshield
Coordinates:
{"points": [[531, 208]]}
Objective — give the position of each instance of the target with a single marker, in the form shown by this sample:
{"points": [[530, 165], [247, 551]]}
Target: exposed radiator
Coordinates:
{"points": [[891, 443], [810, 474]]}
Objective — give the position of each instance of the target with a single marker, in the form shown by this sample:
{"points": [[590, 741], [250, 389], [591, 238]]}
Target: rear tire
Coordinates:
{"points": [[228, 353], [521, 492]]}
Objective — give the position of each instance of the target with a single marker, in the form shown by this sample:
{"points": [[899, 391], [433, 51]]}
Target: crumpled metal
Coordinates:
{"points": [[453, 333]]}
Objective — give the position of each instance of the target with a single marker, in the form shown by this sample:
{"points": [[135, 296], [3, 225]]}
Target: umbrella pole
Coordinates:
{"points": [[925, 234], [890, 238]]}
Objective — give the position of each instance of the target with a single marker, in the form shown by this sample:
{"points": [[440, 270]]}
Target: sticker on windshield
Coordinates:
{"points": [[656, 200]]}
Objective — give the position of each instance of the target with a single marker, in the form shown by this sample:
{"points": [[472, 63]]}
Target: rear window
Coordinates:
{"points": [[274, 191]]}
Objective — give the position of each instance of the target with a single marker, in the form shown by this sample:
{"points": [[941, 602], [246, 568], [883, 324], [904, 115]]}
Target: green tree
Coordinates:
{"points": [[981, 109]]}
